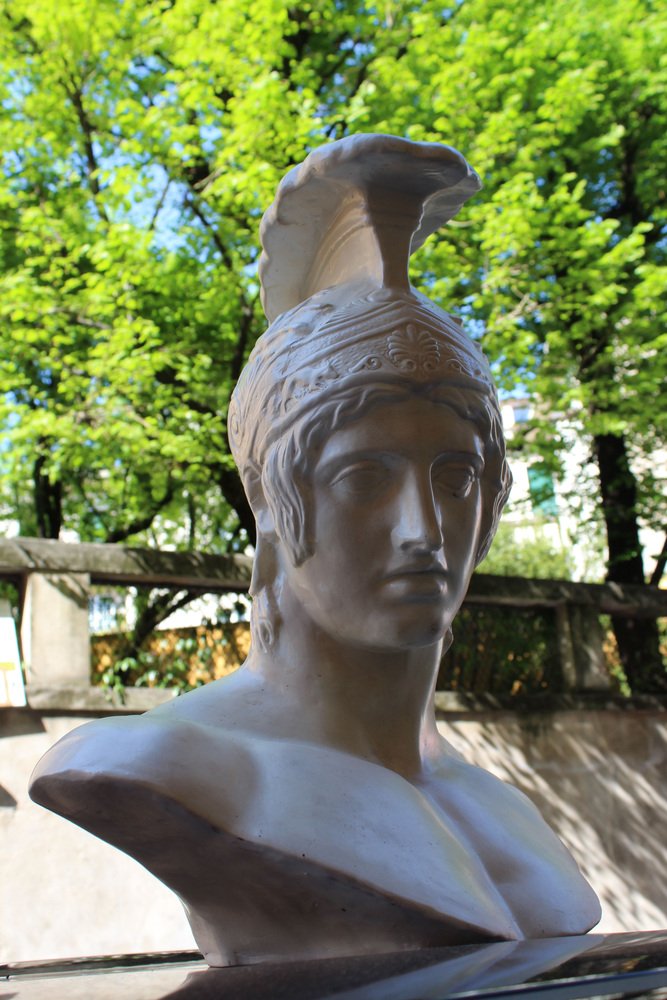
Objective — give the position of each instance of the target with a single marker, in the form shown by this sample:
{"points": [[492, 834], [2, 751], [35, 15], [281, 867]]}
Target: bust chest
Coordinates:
{"points": [[278, 845]]}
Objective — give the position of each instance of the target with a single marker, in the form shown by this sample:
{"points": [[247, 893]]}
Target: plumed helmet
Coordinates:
{"points": [[335, 286]]}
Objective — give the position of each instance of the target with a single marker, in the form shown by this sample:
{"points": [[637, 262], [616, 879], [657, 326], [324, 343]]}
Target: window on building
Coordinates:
{"points": [[542, 492], [103, 613]]}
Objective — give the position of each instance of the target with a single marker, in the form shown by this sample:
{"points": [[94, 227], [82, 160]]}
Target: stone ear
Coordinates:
{"points": [[252, 483]]}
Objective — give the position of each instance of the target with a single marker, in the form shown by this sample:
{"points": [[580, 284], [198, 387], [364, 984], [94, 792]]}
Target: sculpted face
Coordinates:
{"points": [[396, 507]]}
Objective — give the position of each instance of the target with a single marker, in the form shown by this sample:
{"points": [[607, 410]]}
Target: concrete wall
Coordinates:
{"points": [[600, 779], [63, 892], [598, 775]]}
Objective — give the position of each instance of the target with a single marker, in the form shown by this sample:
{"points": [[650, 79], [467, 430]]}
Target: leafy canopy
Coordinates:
{"points": [[141, 142]]}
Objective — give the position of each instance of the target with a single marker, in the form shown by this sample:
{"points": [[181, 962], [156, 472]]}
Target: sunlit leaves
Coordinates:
{"points": [[142, 140]]}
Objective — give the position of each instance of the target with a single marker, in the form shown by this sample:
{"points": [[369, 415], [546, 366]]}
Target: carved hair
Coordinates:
{"points": [[288, 468]]}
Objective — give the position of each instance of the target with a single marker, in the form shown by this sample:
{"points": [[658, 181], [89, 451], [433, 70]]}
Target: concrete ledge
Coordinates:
{"points": [[198, 571], [72, 698], [462, 702], [208, 573], [96, 699], [605, 598]]}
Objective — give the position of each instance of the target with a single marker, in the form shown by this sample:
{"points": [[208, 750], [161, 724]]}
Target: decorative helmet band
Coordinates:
{"points": [[322, 347]]}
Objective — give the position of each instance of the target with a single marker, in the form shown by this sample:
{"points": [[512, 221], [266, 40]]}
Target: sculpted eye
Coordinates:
{"points": [[362, 477], [456, 480]]}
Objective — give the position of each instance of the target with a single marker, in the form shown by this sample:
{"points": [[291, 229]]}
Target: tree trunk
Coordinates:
{"points": [[637, 639], [48, 501], [233, 492], [153, 609]]}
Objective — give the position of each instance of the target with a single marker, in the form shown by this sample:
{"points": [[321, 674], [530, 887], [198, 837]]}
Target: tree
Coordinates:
{"points": [[528, 557], [141, 142], [562, 262]]}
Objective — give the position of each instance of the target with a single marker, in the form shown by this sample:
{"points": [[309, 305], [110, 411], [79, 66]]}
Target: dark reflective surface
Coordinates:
{"points": [[617, 965]]}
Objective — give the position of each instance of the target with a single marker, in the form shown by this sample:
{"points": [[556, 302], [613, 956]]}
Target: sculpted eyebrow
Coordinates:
{"points": [[470, 457], [339, 462], [351, 457]]}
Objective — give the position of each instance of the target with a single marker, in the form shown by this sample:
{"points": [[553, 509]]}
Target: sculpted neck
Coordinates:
{"points": [[376, 704]]}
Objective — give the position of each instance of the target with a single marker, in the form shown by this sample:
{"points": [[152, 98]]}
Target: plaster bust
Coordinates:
{"points": [[307, 806]]}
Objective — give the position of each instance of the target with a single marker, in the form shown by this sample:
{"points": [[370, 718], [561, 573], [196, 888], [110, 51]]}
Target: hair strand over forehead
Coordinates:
{"points": [[289, 462]]}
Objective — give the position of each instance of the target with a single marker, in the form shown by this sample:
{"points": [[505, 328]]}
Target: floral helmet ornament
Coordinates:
{"points": [[335, 287]]}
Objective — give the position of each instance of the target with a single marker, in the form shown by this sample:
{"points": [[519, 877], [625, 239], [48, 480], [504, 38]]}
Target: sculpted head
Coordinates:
{"points": [[351, 369], [361, 400]]}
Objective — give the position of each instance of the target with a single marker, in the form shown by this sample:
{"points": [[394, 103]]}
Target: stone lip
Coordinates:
{"points": [[117, 564], [83, 698], [463, 702], [593, 964], [98, 963]]}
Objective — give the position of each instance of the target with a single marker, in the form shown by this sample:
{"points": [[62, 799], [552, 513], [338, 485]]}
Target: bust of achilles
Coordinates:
{"points": [[307, 806]]}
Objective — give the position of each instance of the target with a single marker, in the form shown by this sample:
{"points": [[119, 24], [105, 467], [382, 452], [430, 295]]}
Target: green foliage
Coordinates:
{"points": [[536, 557], [563, 257], [502, 651], [172, 658], [141, 141], [9, 591], [152, 669]]}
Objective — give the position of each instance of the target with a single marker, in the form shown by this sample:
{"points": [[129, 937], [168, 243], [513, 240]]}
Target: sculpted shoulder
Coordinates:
{"points": [[237, 702], [522, 855], [166, 754]]}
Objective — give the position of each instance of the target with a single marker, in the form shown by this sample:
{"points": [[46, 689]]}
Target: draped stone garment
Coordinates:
{"points": [[281, 848]]}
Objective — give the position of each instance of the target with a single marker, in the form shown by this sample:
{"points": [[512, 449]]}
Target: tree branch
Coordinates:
{"points": [[76, 97], [247, 314], [159, 608], [661, 562], [159, 206], [142, 523], [210, 228], [231, 488]]}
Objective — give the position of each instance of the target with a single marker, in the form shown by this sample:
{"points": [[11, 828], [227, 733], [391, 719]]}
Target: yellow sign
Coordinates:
{"points": [[12, 688]]}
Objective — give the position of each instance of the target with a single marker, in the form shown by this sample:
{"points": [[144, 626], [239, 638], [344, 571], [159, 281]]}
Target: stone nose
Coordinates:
{"points": [[418, 518]]}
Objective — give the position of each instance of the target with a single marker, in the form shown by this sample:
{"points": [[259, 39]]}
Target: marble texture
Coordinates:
{"points": [[307, 806]]}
